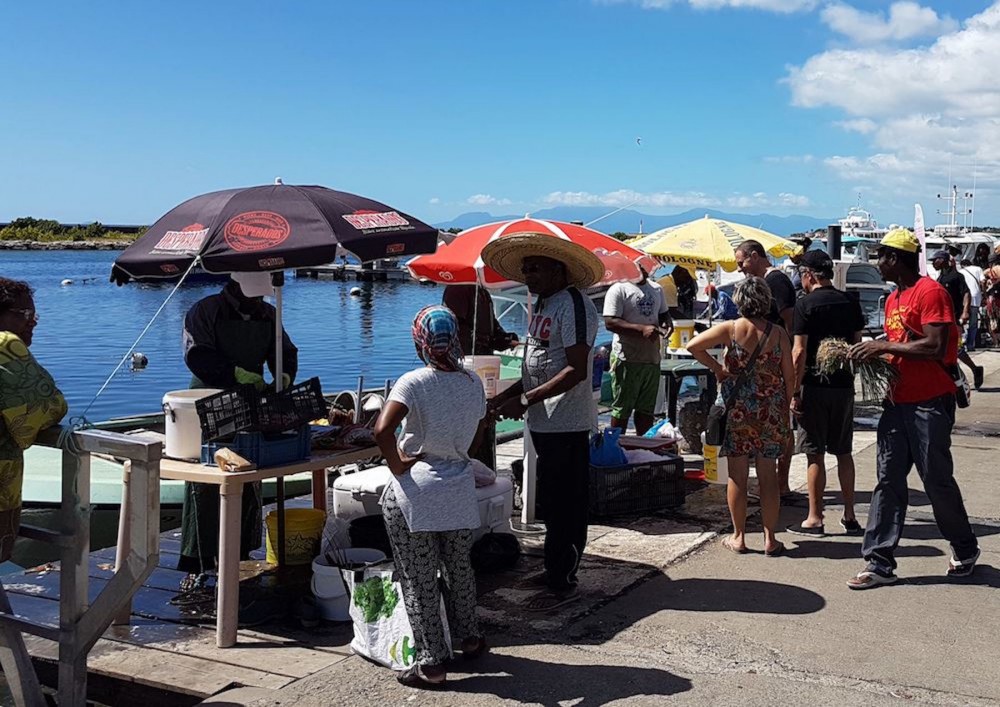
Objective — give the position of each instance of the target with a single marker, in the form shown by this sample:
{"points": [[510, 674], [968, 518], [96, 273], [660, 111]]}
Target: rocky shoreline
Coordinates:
{"points": [[64, 245]]}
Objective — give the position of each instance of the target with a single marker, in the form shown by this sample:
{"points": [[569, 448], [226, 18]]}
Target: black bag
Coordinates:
{"points": [[718, 415], [495, 552]]}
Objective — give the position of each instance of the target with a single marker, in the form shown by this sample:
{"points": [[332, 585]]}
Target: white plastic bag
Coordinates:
{"points": [[382, 631]]}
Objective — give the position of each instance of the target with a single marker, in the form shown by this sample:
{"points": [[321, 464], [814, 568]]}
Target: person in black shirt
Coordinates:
{"points": [[961, 300], [824, 405], [751, 259]]}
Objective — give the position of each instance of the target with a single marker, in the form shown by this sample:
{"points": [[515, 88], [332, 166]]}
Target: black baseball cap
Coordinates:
{"points": [[817, 260]]}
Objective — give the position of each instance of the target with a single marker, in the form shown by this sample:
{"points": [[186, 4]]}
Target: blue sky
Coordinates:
{"points": [[118, 111]]}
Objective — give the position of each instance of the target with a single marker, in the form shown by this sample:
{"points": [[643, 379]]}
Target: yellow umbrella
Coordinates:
{"points": [[707, 242]]}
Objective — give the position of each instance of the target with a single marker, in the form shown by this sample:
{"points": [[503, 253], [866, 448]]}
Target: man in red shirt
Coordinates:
{"points": [[917, 419]]}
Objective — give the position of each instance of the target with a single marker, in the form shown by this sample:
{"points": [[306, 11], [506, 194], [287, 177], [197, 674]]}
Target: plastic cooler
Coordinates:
{"points": [[357, 495]]}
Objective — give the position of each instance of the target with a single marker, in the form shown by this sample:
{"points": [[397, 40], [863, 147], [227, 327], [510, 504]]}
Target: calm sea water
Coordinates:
{"points": [[84, 329]]}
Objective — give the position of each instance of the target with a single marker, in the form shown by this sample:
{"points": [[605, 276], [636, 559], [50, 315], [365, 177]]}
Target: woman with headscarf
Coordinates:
{"points": [[29, 402], [430, 507]]}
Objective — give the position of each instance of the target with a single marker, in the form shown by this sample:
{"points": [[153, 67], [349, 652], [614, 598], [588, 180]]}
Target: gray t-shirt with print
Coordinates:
{"points": [[636, 304], [565, 319], [443, 414]]}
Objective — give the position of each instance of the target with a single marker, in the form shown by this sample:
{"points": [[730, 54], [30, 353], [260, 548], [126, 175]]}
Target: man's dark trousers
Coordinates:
{"points": [[916, 434], [563, 473]]}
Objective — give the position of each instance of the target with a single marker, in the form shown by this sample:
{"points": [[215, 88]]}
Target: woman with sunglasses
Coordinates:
{"points": [[29, 402]]}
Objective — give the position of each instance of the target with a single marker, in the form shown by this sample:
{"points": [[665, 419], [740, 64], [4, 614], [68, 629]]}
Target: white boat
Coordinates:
{"points": [[859, 224]]}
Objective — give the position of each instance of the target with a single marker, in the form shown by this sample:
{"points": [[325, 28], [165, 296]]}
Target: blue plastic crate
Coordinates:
{"points": [[263, 449]]}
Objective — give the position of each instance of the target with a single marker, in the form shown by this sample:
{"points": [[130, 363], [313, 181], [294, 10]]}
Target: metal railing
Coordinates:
{"points": [[81, 623]]}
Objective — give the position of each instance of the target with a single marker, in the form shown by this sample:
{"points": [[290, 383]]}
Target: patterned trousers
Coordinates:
{"points": [[418, 557]]}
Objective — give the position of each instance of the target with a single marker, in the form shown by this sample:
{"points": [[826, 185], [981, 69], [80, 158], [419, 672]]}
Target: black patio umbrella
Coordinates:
{"points": [[269, 228]]}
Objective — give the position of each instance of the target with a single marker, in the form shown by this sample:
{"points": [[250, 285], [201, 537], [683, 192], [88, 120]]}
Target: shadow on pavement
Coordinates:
{"points": [[832, 550], [929, 531], [985, 576], [540, 682]]}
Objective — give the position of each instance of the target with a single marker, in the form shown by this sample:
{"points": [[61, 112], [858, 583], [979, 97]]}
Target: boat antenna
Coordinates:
{"points": [[972, 211]]}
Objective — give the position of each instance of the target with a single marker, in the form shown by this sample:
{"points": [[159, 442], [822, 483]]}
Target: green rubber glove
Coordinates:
{"points": [[245, 377]]}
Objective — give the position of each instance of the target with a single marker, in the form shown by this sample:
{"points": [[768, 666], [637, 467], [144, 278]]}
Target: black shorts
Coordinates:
{"points": [[827, 421]]}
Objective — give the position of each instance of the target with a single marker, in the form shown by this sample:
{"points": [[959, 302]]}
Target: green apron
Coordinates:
{"points": [[246, 344]]}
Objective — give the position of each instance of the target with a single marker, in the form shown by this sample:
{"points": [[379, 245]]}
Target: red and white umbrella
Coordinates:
{"points": [[460, 262]]}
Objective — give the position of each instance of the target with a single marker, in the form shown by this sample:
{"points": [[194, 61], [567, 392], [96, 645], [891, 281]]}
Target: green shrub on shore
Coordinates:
{"points": [[48, 231]]}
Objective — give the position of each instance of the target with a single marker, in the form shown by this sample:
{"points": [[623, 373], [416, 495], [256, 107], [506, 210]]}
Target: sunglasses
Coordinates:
{"points": [[29, 315]]}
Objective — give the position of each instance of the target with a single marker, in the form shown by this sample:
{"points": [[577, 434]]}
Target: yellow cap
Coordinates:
{"points": [[901, 239]]}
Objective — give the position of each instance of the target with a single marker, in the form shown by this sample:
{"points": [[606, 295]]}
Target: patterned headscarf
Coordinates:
{"points": [[435, 335]]}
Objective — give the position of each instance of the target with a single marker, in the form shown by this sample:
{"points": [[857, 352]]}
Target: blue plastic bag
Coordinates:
{"points": [[605, 450]]}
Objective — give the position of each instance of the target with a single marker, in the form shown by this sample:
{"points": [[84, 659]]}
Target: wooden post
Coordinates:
{"points": [[124, 546], [16, 663], [73, 572]]}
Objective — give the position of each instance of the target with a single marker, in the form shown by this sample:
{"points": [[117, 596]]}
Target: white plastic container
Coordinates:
{"points": [[488, 370], [329, 588], [183, 428], [357, 495], [716, 467]]}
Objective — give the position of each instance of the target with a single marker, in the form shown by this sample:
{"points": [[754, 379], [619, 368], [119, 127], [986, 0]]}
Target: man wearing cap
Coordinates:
{"points": [[954, 282], [555, 394], [824, 405], [917, 418], [637, 315]]}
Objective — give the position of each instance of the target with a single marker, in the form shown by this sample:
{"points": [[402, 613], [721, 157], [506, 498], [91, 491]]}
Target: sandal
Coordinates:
{"points": [[776, 551], [963, 568], [868, 579], [473, 648], [817, 531], [417, 677], [551, 600], [731, 545]]}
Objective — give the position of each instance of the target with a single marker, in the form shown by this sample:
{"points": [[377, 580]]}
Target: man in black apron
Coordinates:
{"points": [[228, 338]]}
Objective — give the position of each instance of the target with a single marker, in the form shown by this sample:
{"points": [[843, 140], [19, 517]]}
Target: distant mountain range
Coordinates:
{"points": [[629, 221]]}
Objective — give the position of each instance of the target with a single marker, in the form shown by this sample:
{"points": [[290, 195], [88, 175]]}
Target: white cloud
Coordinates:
{"points": [[673, 200], [780, 6], [487, 200], [926, 112], [906, 20], [790, 159], [434, 200], [858, 125], [628, 197]]}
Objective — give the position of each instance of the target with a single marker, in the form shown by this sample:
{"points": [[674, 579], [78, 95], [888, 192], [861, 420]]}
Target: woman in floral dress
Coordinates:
{"points": [[758, 424]]}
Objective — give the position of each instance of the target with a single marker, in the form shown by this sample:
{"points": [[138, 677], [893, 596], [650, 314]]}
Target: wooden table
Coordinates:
{"points": [[230, 496]]}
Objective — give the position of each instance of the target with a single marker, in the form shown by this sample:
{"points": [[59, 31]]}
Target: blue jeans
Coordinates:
{"points": [[915, 434]]}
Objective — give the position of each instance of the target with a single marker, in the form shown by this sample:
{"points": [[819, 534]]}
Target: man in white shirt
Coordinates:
{"points": [[637, 315], [974, 277]]}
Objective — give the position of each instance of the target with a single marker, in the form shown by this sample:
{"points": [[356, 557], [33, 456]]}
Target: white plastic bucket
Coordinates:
{"points": [[488, 370], [683, 333], [183, 428], [716, 467], [328, 585]]}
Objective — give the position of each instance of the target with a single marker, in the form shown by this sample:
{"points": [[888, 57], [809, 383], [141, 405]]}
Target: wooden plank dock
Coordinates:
{"points": [[168, 656]]}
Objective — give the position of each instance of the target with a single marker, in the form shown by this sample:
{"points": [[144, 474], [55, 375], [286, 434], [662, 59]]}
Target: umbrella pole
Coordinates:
{"points": [[530, 458], [278, 280]]}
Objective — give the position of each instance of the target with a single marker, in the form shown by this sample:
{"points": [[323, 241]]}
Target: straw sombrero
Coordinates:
{"points": [[507, 253]]}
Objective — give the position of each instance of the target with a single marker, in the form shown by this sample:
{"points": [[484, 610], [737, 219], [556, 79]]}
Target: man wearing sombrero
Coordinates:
{"points": [[555, 393]]}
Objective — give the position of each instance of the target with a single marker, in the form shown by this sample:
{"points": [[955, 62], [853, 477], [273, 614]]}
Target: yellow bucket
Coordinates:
{"points": [[716, 467], [303, 530], [683, 333]]}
